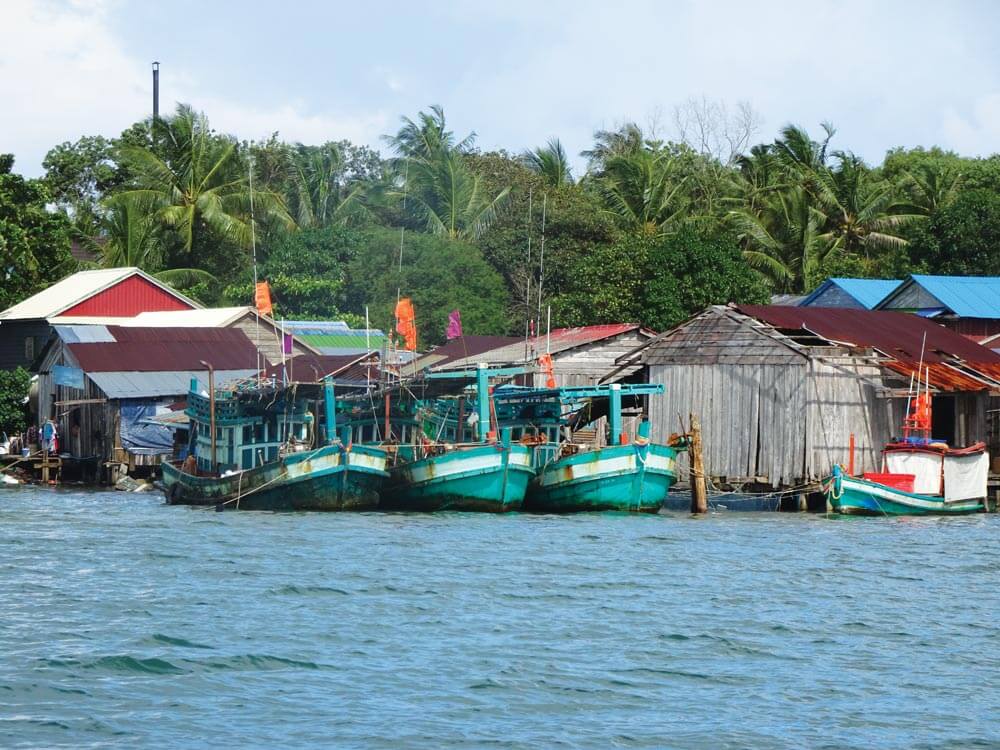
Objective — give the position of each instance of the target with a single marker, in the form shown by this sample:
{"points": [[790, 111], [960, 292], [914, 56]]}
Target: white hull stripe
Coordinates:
{"points": [[888, 494], [608, 466]]}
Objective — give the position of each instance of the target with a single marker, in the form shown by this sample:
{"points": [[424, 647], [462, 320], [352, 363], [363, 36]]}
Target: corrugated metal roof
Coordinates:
{"points": [[868, 292], [558, 340], [965, 296], [460, 348], [898, 335], [311, 368], [166, 350], [75, 289], [317, 326], [84, 334], [209, 317], [155, 384]]}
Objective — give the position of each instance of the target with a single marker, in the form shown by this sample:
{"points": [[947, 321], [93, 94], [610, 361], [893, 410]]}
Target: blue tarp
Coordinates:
{"points": [[139, 437]]}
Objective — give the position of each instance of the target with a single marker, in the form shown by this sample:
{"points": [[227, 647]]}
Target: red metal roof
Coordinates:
{"points": [[167, 350], [898, 335], [127, 299], [566, 338]]}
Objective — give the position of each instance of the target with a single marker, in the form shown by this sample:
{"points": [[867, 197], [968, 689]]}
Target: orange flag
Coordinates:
{"points": [[262, 298], [406, 324]]}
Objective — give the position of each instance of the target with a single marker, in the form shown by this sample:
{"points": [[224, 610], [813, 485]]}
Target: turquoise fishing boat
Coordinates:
{"points": [[629, 474], [919, 476], [927, 479], [436, 469], [260, 449]]}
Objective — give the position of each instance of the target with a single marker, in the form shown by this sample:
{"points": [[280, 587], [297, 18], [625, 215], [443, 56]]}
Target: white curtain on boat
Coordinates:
{"points": [[965, 476], [926, 467]]}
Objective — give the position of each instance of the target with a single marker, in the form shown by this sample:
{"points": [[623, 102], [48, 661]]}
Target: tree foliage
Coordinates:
{"points": [[34, 242], [14, 385]]}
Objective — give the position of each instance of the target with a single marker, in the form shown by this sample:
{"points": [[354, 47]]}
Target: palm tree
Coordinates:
{"points": [[427, 136], [931, 187], [445, 193], [317, 192], [126, 234], [435, 182], [798, 153], [863, 215], [784, 238], [609, 144], [643, 191], [200, 181], [549, 161]]}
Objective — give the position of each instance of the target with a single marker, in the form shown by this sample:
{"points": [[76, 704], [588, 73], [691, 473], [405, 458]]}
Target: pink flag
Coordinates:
{"points": [[454, 325], [286, 343]]}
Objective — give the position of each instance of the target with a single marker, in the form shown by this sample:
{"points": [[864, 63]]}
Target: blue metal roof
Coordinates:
{"points": [[868, 292], [966, 296]]}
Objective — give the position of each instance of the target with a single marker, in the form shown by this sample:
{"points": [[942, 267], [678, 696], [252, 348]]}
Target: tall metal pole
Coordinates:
{"points": [[211, 408], [156, 90]]}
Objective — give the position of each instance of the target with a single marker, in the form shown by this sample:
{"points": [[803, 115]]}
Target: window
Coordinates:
{"points": [[29, 348]]}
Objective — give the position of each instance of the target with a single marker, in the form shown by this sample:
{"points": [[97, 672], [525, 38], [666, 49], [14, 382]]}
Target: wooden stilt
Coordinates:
{"points": [[699, 492]]}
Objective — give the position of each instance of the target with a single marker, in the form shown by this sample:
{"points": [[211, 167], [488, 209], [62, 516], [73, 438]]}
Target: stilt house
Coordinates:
{"points": [[780, 390]]}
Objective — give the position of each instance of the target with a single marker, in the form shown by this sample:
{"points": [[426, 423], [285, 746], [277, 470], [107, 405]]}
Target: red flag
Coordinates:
{"points": [[262, 298], [454, 325], [406, 324]]}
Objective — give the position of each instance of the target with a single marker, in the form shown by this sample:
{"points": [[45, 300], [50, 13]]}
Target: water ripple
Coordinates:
{"points": [[128, 623]]}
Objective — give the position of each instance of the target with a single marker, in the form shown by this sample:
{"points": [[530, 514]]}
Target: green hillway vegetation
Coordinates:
{"points": [[652, 231]]}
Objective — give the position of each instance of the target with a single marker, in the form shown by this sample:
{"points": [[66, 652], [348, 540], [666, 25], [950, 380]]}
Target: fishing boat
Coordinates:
{"points": [[574, 471], [260, 448], [919, 476], [436, 469]]}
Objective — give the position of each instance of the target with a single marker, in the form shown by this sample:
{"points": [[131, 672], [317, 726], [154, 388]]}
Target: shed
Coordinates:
{"points": [[25, 328], [854, 294], [969, 305], [779, 390], [101, 383]]}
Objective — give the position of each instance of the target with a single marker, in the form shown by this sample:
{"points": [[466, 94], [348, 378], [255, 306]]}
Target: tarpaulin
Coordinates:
{"points": [[71, 377], [140, 437], [965, 477]]}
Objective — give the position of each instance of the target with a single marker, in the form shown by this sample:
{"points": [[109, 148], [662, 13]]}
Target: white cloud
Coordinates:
{"points": [[977, 133], [64, 74]]}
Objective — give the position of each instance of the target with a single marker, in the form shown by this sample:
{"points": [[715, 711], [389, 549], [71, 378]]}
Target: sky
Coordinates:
{"points": [[885, 74]]}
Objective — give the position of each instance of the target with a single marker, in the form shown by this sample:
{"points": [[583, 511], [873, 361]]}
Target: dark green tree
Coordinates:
{"points": [[962, 238], [14, 385], [437, 273], [34, 242]]}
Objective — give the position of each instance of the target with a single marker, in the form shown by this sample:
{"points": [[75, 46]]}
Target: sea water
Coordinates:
{"points": [[128, 623]]}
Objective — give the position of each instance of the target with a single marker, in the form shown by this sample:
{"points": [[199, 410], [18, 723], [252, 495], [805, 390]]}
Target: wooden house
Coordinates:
{"points": [[969, 305], [26, 327], [780, 390], [102, 384]]}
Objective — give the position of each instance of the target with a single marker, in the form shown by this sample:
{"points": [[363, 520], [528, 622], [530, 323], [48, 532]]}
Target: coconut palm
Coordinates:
{"points": [[450, 199], [125, 234], [317, 192], [931, 187], [644, 191], [609, 144], [784, 238], [549, 161], [195, 180], [427, 136], [434, 181], [863, 214]]}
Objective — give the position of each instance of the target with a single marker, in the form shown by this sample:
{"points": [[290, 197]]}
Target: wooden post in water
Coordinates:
{"points": [[699, 492]]}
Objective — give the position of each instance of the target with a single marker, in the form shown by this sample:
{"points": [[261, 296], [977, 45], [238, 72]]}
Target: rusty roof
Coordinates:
{"points": [[897, 335], [952, 361], [559, 340], [166, 350], [345, 369]]}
